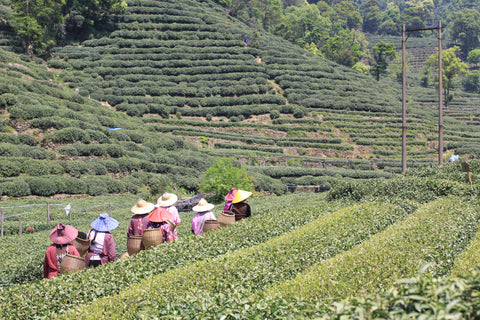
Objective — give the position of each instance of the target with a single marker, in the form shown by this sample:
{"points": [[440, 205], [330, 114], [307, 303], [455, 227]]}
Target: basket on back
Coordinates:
{"points": [[226, 219], [210, 225], [82, 245], [71, 263], [152, 237], [134, 245]]}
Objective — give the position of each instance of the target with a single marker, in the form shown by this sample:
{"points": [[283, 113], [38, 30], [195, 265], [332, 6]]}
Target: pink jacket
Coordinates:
{"points": [[108, 254]]}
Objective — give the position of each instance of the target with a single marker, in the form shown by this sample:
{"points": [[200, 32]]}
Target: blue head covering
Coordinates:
{"points": [[104, 223]]}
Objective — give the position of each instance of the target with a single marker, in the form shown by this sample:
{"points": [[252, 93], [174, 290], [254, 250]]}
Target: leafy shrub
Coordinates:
{"points": [[26, 139], [68, 150], [9, 150], [9, 168], [262, 182], [14, 188], [75, 168], [36, 152], [69, 135], [42, 186], [8, 138], [224, 175]]}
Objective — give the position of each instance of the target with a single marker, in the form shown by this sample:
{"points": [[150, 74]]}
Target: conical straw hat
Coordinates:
{"points": [[159, 215], [104, 223], [231, 195], [167, 199], [142, 207], [241, 195], [63, 234], [203, 206]]}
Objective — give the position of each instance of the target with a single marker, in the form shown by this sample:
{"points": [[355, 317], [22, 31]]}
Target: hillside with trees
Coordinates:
{"points": [[155, 92]]}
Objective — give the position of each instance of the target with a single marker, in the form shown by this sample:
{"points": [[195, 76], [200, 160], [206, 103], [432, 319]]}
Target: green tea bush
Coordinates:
{"points": [[69, 135], [9, 168], [9, 150], [417, 189], [14, 188], [8, 138], [36, 152], [262, 182], [42, 186], [26, 139], [75, 168], [436, 233]]}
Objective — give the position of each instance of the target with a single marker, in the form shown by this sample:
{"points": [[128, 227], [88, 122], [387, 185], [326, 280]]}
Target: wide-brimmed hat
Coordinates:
{"points": [[203, 205], [142, 207], [63, 234], [104, 223], [159, 215], [231, 195], [167, 199], [241, 195]]}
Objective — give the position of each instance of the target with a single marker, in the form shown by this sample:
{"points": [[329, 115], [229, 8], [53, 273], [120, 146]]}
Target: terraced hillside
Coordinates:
{"points": [[188, 61], [178, 83]]}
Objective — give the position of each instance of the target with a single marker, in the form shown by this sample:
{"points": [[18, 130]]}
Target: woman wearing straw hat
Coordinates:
{"points": [[158, 219], [203, 213], [240, 207], [167, 201], [102, 245], [139, 220], [62, 237], [228, 198]]}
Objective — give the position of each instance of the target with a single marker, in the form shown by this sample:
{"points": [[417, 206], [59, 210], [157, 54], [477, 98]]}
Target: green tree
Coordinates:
{"points": [[472, 82], [466, 30], [474, 57], [382, 53], [346, 48], [224, 175], [347, 14], [452, 68], [36, 22], [372, 16], [304, 25], [267, 12]]}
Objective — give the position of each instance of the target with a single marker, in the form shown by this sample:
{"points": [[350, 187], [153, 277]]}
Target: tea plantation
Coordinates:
{"points": [[299, 255]]}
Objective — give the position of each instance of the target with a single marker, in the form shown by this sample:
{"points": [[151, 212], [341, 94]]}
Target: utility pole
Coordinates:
{"points": [[405, 35]]}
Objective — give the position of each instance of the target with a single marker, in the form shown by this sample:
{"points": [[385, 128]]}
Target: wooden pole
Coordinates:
{"points": [[48, 213], [1, 222], [20, 225], [110, 209], [440, 99], [404, 104]]}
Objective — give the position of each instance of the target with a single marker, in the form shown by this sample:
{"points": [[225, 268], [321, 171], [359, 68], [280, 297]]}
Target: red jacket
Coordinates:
{"points": [[50, 266]]}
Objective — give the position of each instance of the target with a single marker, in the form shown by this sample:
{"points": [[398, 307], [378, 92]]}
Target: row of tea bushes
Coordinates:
{"points": [[417, 189], [469, 260], [434, 235], [257, 267], [274, 217], [280, 172]]}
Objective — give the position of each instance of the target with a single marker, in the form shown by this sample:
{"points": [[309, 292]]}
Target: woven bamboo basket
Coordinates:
{"points": [[82, 245], [152, 237], [71, 263], [210, 225], [134, 245], [226, 219]]}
